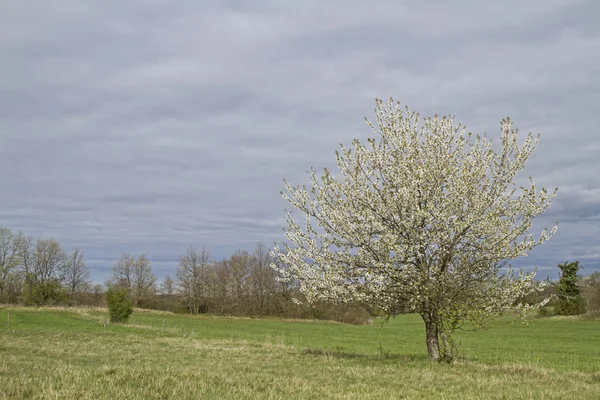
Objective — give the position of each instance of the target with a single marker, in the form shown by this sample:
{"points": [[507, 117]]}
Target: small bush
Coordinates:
{"points": [[119, 304], [356, 316], [544, 312], [44, 294]]}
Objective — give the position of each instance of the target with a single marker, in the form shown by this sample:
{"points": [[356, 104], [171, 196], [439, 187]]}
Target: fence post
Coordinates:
{"points": [[8, 320], [105, 324], [163, 326], [181, 328]]}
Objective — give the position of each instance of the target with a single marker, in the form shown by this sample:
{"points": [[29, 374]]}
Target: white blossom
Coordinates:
{"points": [[420, 219]]}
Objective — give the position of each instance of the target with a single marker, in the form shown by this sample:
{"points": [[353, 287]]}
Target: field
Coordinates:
{"points": [[70, 354]]}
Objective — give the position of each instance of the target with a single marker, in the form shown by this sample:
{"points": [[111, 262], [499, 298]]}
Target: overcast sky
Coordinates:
{"points": [[149, 126]]}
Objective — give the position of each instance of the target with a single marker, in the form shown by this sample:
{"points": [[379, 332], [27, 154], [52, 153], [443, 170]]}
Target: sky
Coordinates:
{"points": [[150, 126]]}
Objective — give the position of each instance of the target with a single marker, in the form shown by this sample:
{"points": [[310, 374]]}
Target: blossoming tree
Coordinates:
{"points": [[423, 218]]}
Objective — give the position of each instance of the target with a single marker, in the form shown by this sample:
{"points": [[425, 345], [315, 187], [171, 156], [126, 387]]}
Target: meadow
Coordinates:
{"points": [[71, 354]]}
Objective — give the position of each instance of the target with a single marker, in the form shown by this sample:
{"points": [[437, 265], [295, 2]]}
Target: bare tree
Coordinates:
{"points": [[168, 285], [42, 263], [122, 273], [192, 277], [135, 275], [26, 253], [48, 257], [144, 281], [10, 258], [262, 279], [75, 275], [239, 266], [221, 292]]}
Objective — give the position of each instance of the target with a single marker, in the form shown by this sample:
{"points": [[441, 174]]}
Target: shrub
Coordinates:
{"points": [[545, 312], [356, 315], [353, 313], [570, 306], [41, 294], [570, 301], [119, 304]]}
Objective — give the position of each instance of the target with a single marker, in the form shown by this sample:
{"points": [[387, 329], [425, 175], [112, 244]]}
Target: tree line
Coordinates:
{"points": [[37, 272], [40, 272], [243, 284]]}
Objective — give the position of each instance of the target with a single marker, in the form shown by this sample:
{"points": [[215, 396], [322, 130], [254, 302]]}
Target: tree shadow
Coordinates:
{"points": [[339, 352]]}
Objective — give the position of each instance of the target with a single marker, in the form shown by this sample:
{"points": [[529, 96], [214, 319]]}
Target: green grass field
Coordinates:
{"points": [[62, 354]]}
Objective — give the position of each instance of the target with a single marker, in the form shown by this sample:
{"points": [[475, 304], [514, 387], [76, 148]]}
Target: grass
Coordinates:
{"points": [[58, 354]]}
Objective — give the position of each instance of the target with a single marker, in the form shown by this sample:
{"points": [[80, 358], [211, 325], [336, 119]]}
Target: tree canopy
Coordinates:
{"points": [[422, 218]]}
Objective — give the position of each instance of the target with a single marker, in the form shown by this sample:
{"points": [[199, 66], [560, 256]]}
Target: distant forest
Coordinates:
{"points": [[40, 272]]}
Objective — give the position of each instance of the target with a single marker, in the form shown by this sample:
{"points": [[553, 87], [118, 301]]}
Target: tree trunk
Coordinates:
{"points": [[448, 356], [431, 337]]}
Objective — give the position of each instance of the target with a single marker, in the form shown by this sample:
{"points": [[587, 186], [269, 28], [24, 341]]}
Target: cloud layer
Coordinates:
{"points": [[151, 126]]}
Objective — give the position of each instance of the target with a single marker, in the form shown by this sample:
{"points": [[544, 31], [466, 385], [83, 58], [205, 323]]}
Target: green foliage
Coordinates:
{"points": [[47, 293], [119, 304], [570, 306], [570, 301], [544, 312]]}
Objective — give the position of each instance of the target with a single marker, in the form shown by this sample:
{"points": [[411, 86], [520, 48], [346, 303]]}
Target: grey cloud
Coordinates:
{"points": [[149, 126]]}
